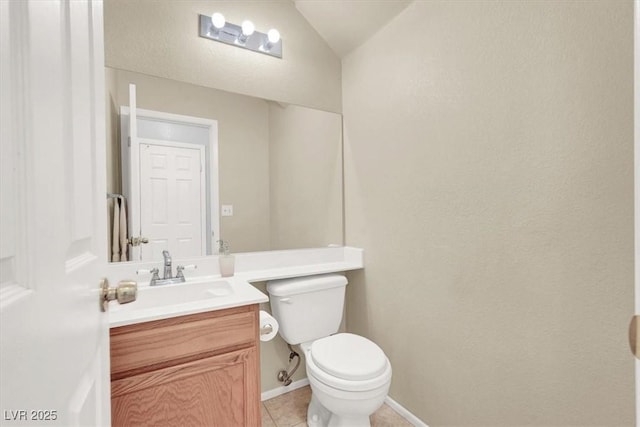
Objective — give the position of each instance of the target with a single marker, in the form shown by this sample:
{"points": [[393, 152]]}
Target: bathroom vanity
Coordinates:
{"points": [[198, 369], [189, 354]]}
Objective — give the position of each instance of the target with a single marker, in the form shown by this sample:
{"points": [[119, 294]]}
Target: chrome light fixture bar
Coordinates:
{"points": [[216, 28]]}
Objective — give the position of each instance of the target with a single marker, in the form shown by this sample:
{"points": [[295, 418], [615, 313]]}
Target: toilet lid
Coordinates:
{"points": [[349, 356]]}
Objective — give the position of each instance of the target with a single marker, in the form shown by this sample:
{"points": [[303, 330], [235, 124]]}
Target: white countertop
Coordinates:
{"points": [[250, 267]]}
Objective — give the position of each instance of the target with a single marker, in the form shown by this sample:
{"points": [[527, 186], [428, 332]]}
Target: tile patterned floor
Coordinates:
{"points": [[290, 410]]}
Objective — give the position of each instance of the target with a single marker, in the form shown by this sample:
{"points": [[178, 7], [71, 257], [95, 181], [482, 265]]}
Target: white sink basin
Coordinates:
{"points": [[197, 295], [181, 293]]}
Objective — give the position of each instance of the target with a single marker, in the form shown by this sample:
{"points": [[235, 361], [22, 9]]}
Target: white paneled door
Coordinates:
{"points": [[53, 251], [172, 199]]}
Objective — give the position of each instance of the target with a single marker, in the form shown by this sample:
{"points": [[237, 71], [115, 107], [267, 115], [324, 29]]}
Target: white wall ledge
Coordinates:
{"points": [[254, 266]]}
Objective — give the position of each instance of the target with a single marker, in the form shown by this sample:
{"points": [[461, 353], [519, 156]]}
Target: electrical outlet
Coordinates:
{"points": [[227, 210]]}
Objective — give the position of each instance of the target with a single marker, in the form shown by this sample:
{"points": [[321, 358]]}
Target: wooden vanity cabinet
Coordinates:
{"points": [[194, 370]]}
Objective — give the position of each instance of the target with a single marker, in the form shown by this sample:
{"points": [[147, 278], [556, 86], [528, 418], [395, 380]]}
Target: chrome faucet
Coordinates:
{"points": [[167, 265], [168, 274]]}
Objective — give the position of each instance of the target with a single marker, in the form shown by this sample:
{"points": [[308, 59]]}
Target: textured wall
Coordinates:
{"points": [[305, 160], [160, 38], [489, 179]]}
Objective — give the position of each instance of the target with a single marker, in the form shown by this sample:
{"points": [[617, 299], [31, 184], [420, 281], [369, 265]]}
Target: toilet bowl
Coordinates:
{"points": [[349, 374], [349, 377]]}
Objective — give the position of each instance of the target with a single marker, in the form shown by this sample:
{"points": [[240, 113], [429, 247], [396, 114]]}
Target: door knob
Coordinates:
{"points": [[634, 335], [125, 292], [137, 241]]}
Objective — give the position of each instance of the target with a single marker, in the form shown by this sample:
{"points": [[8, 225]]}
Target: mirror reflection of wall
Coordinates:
{"points": [[280, 166]]}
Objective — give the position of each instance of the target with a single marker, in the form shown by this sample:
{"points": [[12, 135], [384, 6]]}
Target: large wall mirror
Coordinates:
{"points": [[278, 166]]}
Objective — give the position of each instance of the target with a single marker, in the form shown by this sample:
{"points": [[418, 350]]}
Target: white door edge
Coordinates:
{"points": [[54, 340], [636, 118], [134, 174]]}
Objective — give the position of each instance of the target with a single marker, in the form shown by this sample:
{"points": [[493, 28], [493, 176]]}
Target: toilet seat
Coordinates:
{"points": [[349, 356], [348, 362]]}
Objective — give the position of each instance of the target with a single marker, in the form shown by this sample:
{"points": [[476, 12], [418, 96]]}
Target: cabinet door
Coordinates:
{"points": [[216, 391]]}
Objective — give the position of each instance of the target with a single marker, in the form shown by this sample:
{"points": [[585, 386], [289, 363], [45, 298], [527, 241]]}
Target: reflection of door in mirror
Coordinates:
{"points": [[172, 195], [170, 177]]}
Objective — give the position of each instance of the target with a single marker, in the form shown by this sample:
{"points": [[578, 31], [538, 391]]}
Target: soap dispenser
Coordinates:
{"points": [[227, 261]]}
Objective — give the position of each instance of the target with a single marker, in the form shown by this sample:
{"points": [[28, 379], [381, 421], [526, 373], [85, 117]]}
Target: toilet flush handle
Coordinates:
{"points": [[286, 300]]}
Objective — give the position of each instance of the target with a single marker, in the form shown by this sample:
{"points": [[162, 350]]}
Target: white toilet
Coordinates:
{"points": [[349, 375]]}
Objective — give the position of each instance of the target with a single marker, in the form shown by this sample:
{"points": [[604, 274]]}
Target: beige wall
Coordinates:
{"points": [[306, 177], [160, 37], [489, 179]]}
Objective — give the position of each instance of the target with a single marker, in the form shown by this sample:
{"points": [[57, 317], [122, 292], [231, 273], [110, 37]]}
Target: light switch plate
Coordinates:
{"points": [[226, 210]]}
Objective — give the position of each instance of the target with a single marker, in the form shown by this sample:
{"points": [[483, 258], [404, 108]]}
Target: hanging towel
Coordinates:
{"points": [[115, 235], [123, 230]]}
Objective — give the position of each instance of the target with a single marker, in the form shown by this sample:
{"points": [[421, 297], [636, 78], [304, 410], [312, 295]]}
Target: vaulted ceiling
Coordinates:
{"points": [[346, 24]]}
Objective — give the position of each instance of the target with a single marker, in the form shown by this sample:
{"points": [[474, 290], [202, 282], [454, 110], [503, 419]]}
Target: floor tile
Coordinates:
{"points": [[267, 421], [289, 409], [387, 417]]}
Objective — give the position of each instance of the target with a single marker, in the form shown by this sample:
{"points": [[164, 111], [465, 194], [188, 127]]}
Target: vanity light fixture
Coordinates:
{"points": [[217, 22], [273, 37], [247, 29], [215, 27]]}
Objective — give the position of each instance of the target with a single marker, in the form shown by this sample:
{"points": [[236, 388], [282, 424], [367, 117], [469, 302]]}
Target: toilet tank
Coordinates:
{"points": [[307, 308]]}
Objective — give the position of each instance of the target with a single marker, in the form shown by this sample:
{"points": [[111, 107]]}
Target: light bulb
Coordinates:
{"points": [[273, 35], [248, 28], [218, 21]]}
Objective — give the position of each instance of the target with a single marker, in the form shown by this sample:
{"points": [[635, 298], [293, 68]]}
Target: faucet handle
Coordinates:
{"points": [[154, 272], [181, 268]]}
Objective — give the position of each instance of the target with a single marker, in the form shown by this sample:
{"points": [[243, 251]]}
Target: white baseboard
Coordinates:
{"points": [[270, 394], [405, 412]]}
